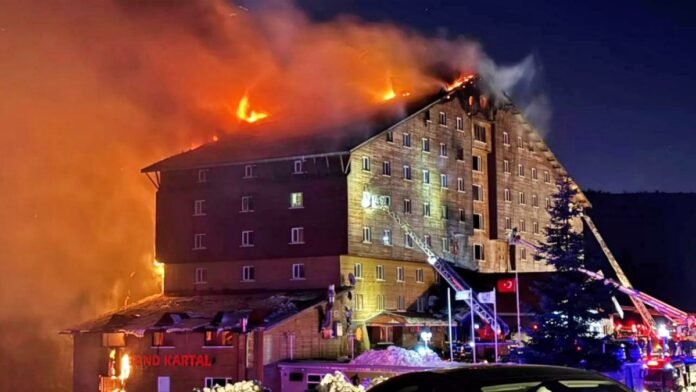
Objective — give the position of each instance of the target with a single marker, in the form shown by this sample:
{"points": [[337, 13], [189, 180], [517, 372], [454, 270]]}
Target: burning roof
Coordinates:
{"points": [[192, 313]]}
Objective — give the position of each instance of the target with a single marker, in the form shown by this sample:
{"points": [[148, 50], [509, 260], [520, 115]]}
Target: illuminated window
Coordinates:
{"points": [[419, 275], [400, 303], [426, 209], [479, 253], [199, 241], [217, 339], [297, 235], [298, 271], [508, 195], [426, 177], [460, 184], [479, 133], [366, 163], [535, 227], [248, 273], [506, 167], [443, 119], [443, 149], [477, 192], [247, 238], [547, 203], [547, 177], [380, 302], [390, 137], [203, 175], [400, 275], [408, 241], [445, 242], [162, 339], [407, 172], [444, 183], [247, 204], [211, 382], [535, 200], [249, 171], [386, 168], [298, 167], [406, 139], [359, 302], [478, 222], [477, 163], [387, 237], [428, 240], [367, 235], [506, 138], [296, 200], [534, 174], [379, 272], [199, 207], [407, 206], [201, 275], [357, 271], [425, 144], [508, 223], [460, 124]]}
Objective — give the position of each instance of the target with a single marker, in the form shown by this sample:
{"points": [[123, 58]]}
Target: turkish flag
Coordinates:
{"points": [[506, 285]]}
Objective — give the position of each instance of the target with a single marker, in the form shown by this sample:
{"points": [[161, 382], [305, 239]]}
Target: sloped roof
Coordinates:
{"points": [[262, 309], [405, 319]]}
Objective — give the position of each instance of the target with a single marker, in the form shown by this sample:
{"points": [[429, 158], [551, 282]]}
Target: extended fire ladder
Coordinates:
{"points": [[440, 265]]}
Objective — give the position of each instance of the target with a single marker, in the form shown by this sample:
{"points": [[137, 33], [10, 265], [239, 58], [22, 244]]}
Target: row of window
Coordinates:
{"points": [[521, 171], [520, 143], [380, 300], [247, 204], [249, 273], [296, 238], [298, 167], [445, 242], [379, 273], [477, 165], [522, 227], [522, 198]]}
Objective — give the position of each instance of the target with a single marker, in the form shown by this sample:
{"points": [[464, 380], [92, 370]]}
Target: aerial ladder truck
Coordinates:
{"points": [[442, 266]]}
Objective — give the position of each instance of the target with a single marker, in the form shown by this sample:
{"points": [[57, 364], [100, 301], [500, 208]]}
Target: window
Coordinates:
{"points": [[521, 198], [534, 174], [547, 177], [421, 303], [478, 252], [297, 235], [296, 200], [199, 208], [443, 149], [460, 124], [201, 275], [357, 271], [359, 302], [408, 241], [400, 275], [162, 339], [477, 192], [547, 203], [407, 206], [426, 115], [535, 227], [477, 163], [367, 235], [506, 166], [211, 382], [203, 175], [428, 240], [366, 163], [390, 137], [523, 253], [523, 226], [249, 171], [508, 195], [407, 172], [425, 144], [426, 177], [426, 209], [479, 133], [247, 238], [248, 273], [400, 303], [535, 200], [247, 204], [443, 119], [478, 222], [520, 170], [298, 271], [508, 223], [462, 215], [407, 140], [199, 241], [379, 272], [380, 302], [386, 168], [444, 212], [419, 275], [387, 237], [164, 384], [506, 138], [519, 142], [445, 242], [298, 167], [444, 183], [460, 154]]}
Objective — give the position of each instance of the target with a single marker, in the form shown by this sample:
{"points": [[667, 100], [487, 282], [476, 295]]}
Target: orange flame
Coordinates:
{"points": [[458, 82], [158, 268], [246, 114], [125, 368]]}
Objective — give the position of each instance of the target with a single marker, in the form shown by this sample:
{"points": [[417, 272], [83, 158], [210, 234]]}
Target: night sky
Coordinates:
{"points": [[620, 75]]}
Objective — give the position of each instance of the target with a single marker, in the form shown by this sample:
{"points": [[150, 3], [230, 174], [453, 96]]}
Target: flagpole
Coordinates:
{"points": [[495, 329], [473, 328], [517, 300], [449, 314]]}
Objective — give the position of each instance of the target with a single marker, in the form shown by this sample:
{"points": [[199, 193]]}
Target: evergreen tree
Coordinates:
{"points": [[569, 300]]}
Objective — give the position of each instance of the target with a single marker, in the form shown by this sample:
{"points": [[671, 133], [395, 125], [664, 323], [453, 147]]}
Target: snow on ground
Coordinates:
{"points": [[397, 356]]}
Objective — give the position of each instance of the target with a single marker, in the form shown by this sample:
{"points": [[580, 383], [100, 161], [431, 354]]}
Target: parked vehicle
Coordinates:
{"points": [[668, 375], [502, 378]]}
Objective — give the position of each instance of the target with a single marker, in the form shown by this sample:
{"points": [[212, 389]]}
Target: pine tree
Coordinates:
{"points": [[569, 300]]}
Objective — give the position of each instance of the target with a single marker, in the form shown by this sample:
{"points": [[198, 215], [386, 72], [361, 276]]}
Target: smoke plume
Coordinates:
{"points": [[92, 91]]}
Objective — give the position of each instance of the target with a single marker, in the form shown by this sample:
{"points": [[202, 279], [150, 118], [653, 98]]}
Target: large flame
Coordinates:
{"points": [[461, 79], [158, 268], [244, 113], [125, 368]]}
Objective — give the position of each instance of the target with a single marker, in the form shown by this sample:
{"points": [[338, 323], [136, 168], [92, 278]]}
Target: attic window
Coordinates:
{"points": [[443, 119], [390, 137], [203, 175], [218, 339], [162, 339], [249, 171], [298, 167], [426, 115]]}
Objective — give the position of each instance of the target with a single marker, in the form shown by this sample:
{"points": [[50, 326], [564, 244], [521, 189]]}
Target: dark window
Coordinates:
{"points": [[460, 154], [478, 221], [479, 133], [477, 163], [390, 137]]}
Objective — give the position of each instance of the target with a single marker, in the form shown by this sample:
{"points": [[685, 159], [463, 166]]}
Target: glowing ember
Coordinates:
{"points": [[246, 114], [458, 82]]}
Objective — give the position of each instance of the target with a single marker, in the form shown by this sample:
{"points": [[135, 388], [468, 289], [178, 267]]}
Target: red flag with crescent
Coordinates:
{"points": [[506, 285]]}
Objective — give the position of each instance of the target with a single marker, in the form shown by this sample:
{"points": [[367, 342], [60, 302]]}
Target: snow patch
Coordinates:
{"points": [[397, 356]]}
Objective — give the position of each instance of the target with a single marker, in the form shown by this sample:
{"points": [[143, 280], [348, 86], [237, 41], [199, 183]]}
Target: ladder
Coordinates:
{"points": [[442, 266]]}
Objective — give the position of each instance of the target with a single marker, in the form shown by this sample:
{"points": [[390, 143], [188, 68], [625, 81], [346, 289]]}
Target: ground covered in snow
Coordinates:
{"points": [[397, 356]]}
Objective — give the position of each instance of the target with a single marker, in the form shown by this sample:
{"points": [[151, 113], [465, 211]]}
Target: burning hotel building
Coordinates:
{"points": [[269, 254]]}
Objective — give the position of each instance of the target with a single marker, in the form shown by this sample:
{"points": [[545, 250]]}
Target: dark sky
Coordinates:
{"points": [[621, 76]]}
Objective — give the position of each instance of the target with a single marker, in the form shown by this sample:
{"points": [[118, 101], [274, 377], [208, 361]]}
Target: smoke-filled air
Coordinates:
{"points": [[92, 91]]}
